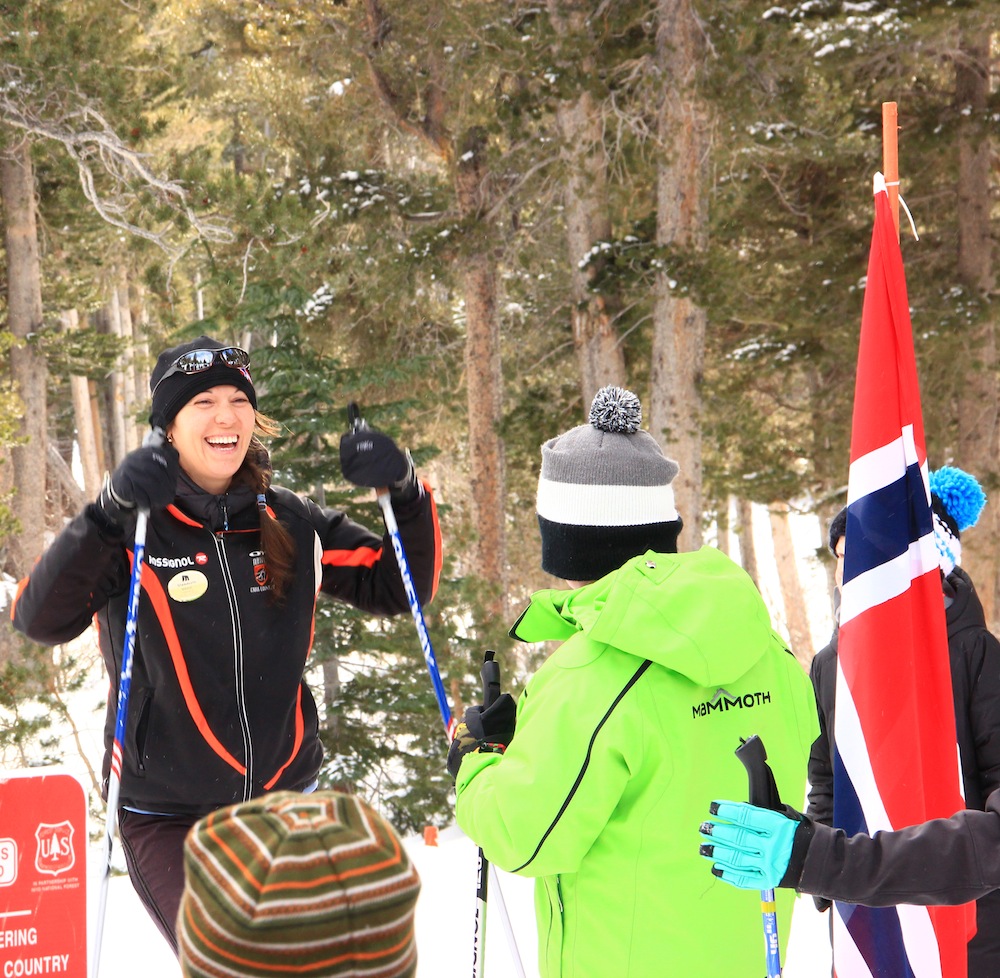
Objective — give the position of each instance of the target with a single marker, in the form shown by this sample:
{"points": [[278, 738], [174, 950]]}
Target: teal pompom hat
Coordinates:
{"points": [[957, 499]]}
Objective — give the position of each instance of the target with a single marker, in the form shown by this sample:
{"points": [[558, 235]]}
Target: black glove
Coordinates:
{"points": [[822, 904], [369, 457], [490, 729], [146, 478]]}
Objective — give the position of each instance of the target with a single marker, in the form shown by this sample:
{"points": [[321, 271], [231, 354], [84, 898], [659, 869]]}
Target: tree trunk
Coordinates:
{"points": [[122, 380], [678, 324], [796, 617], [28, 367], [121, 316], [722, 526], [331, 693], [484, 378], [599, 355], [113, 394], [140, 337], [979, 431], [586, 213], [744, 533], [79, 388], [484, 381], [100, 435]]}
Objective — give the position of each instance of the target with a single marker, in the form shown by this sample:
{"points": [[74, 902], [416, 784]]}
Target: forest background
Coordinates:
{"points": [[468, 216]]}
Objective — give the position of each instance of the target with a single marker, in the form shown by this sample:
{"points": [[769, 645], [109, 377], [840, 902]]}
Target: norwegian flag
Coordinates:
{"points": [[896, 758]]}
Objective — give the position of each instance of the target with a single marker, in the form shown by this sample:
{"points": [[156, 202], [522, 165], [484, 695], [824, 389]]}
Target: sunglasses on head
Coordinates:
{"points": [[197, 361]]}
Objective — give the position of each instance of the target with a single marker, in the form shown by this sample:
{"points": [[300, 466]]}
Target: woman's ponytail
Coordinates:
{"points": [[275, 540]]}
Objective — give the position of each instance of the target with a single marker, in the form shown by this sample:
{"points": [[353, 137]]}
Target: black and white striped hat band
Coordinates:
{"points": [[604, 492]]}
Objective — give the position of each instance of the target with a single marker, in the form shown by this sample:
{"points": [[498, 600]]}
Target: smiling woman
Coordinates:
{"points": [[219, 712], [211, 434]]}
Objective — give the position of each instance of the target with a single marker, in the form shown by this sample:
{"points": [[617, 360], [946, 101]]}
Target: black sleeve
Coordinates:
{"points": [[984, 710], [360, 567], [946, 861], [822, 672], [72, 580]]}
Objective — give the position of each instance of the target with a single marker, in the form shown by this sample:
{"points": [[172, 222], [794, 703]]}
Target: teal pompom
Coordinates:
{"points": [[960, 494]]}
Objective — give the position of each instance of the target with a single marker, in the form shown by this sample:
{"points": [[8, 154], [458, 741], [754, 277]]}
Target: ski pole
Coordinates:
{"points": [[155, 437], [357, 423], [763, 794], [490, 674]]}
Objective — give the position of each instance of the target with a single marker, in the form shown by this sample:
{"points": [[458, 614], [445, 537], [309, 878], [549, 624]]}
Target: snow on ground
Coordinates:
{"points": [[446, 908], [445, 920]]}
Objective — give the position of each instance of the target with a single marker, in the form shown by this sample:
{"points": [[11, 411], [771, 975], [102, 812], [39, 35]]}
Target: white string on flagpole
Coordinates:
{"points": [[913, 227]]}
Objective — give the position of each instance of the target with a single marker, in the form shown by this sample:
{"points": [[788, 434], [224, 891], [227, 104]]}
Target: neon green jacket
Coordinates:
{"points": [[615, 760]]}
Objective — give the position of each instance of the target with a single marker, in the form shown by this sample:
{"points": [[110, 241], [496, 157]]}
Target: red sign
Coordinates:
{"points": [[43, 875]]}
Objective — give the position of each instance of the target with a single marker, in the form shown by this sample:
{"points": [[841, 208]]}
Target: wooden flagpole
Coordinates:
{"points": [[890, 158]]}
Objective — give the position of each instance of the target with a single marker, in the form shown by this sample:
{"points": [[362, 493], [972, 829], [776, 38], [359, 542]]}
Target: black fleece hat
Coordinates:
{"points": [[838, 529], [177, 389]]}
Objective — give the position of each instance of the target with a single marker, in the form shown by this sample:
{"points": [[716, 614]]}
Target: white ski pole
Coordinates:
{"points": [[124, 688], [479, 934]]}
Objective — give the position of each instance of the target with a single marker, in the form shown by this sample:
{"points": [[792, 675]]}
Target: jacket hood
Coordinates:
{"points": [[698, 614], [965, 609]]}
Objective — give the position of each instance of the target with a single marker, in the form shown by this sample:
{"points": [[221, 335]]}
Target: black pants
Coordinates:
{"points": [[154, 853], [984, 948]]}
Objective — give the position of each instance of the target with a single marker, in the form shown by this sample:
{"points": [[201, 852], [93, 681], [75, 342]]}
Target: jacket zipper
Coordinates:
{"points": [[553, 951], [234, 613]]}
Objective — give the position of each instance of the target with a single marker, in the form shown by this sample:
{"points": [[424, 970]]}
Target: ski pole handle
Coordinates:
{"points": [[763, 789], [490, 674], [763, 794]]}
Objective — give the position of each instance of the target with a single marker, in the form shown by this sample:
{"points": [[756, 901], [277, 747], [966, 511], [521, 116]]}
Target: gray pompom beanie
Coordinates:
{"points": [[604, 493]]}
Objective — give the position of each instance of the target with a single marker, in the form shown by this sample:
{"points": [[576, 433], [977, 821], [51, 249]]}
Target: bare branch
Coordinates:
{"points": [[88, 137], [246, 262]]}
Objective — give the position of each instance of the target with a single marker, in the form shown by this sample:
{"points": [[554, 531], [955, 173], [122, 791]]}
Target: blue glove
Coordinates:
{"points": [[750, 847]]}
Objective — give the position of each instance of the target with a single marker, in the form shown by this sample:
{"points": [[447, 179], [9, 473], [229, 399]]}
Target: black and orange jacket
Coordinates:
{"points": [[219, 711]]}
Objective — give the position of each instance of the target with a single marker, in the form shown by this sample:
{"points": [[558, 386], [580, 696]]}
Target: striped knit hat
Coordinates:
{"points": [[957, 499], [604, 494], [309, 885]]}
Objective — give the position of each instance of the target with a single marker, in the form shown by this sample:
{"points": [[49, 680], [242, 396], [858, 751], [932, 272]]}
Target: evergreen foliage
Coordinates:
{"points": [[309, 155]]}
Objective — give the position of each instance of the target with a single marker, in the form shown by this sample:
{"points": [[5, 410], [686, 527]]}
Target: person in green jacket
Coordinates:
{"points": [[667, 660]]}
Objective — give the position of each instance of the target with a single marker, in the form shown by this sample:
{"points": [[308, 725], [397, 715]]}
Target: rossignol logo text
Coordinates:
{"points": [[724, 701], [170, 561]]}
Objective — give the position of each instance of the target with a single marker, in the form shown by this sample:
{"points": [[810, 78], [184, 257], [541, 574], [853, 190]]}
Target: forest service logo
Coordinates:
{"points": [[55, 853]]}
